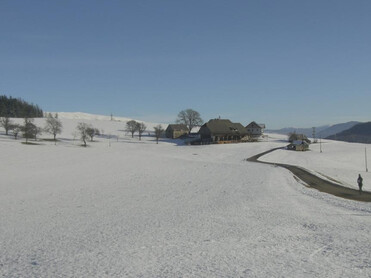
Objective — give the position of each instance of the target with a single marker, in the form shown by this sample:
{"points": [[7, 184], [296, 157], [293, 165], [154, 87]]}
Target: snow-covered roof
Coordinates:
{"points": [[299, 142]]}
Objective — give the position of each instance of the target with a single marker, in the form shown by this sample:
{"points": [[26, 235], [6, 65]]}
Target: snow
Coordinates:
{"points": [[114, 128], [130, 208], [339, 161]]}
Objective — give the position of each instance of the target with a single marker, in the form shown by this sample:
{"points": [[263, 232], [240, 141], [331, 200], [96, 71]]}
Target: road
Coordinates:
{"points": [[316, 182]]}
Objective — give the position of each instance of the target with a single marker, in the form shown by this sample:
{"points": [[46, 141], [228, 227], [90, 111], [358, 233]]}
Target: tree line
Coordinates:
{"points": [[29, 130], [134, 126], [54, 126], [18, 108], [85, 131]]}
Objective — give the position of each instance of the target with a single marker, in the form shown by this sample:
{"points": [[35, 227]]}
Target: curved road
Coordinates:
{"points": [[318, 183]]}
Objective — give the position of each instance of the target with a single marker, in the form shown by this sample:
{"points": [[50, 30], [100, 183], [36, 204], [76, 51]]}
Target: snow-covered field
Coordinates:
{"points": [[339, 161], [128, 208]]}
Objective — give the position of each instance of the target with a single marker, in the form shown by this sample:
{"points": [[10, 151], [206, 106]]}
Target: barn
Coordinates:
{"points": [[176, 130]]}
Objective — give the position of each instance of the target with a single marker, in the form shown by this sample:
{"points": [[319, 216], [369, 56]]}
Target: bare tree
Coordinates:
{"points": [[75, 134], [158, 132], [190, 118], [92, 132], [29, 129], [53, 125], [131, 126], [37, 131], [16, 129], [82, 129], [141, 127], [6, 123]]}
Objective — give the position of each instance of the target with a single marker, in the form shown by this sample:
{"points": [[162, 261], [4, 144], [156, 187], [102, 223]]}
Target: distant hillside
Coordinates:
{"points": [[18, 108], [321, 131], [360, 133], [334, 129]]}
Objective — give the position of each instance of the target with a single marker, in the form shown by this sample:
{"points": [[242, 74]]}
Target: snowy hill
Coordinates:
{"points": [[130, 208], [102, 120], [336, 129], [360, 133], [87, 116], [115, 127]]}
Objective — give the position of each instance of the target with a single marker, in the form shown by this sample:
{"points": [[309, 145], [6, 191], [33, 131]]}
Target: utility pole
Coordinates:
{"points": [[320, 144], [366, 159], [314, 134]]}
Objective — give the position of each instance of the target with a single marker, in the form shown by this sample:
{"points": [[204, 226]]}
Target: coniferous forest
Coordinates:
{"points": [[18, 108]]}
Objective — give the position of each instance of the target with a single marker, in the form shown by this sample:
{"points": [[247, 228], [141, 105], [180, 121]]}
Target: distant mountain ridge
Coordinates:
{"points": [[334, 129], [360, 133], [321, 131]]}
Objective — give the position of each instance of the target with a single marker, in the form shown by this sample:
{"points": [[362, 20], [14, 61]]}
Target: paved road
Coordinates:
{"points": [[318, 183]]}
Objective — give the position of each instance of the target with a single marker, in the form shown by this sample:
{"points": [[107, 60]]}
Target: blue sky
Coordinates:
{"points": [[282, 63]]}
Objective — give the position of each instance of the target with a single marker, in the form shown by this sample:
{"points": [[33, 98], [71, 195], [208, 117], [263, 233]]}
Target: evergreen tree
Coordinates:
{"points": [[18, 108]]}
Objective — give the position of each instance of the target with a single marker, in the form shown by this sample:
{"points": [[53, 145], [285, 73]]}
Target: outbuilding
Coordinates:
{"points": [[298, 146], [176, 130]]}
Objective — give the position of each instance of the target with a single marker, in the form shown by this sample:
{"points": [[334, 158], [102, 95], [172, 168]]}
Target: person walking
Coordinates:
{"points": [[360, 182]]}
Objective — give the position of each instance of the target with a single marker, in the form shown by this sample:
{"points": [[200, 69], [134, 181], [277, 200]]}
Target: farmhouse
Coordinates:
{"points": [[255, 130], [176, 130], [221, 131]]}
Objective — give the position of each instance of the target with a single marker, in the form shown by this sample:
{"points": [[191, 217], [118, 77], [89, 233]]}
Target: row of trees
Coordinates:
{"points": [[18, 108], [29, 130], [54, 126], [134, 126], [85, 131]]}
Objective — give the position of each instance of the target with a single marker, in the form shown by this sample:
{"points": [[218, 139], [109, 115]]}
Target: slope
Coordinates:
{"points": [[138, 209], [360, 133]]}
